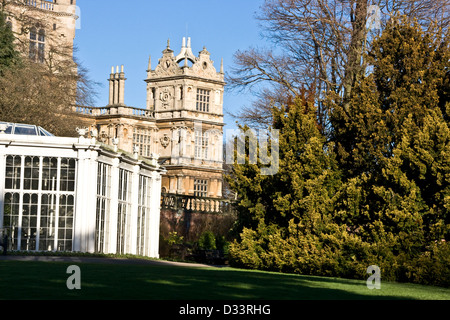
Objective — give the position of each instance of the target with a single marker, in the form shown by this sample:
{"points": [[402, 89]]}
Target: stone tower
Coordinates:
{"points": [[182, 123], [185, 93], [42, 26]]}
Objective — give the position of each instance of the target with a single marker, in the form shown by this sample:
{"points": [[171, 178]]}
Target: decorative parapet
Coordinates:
{"points": [[115, 110], [49, 6], [196, 204], [41, 4]]}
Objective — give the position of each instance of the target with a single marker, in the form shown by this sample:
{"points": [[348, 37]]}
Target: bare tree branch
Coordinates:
{"points": [[319, 45]]}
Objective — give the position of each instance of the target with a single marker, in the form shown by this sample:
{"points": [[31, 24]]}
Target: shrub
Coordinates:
{"points": [[174, 238], [222, 244], [432, 267], [207, 241]]}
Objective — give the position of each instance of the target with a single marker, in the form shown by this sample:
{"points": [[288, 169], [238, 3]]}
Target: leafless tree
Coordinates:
{"points": [[317, 45], [47, 84]]}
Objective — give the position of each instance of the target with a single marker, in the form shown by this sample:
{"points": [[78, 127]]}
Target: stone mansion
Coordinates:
{"points": [[183, 119], [182, 124], [101, 192]]}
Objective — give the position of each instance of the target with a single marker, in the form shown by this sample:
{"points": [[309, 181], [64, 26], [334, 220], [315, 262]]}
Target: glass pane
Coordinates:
{"points": [[8, 127], [33, 34], [13, 167], [44, 132], [33, 51], [48, 220], [25, 130], [41, 35], [41, 50]]}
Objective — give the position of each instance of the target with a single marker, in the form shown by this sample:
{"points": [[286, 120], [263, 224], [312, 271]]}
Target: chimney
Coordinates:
{"points": [[122, 87], [117, 87], [111, 87]]}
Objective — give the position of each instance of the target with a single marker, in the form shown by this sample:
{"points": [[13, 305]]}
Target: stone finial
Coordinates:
{"points": [[115, 142], [186, 52], [94, 135], [136, 152], [168, 50], [154, 157], [81, 134], [82, 131], [3, 127], [204, 51]]}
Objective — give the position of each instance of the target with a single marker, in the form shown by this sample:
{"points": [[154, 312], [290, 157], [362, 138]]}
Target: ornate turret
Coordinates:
{"points": [[185, 92], [184, 72]]}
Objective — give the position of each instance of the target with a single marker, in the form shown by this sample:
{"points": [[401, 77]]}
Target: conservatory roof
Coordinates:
{"points": [[23, 129]]}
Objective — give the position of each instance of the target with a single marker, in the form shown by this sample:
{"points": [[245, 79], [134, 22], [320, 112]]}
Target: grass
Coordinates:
{"points": [[47, 280]]}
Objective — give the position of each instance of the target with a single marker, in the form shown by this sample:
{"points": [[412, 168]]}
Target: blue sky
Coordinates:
{"points": [[116, 32]]}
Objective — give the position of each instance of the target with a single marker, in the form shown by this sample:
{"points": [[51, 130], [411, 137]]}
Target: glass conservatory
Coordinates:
{"points": [[75, 194], [23, 129]]}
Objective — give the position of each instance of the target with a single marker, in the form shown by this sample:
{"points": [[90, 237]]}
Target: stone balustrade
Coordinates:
{"points": [[196, 204], [41, 4], [115, 110]]}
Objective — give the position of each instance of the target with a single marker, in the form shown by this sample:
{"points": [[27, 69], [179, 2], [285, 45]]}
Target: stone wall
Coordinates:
{"points": [[191, 216]]}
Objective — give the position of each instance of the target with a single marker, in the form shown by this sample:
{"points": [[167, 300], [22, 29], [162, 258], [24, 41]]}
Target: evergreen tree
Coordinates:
{"points": [[402, 145], [276, 199], [284, 216], [8, 55], [393, 143], [379, 191], [443, 58], [411, 73]]}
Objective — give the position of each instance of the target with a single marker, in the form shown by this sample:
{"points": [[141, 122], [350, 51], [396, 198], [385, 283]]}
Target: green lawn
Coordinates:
{"points": [[45, 280]]}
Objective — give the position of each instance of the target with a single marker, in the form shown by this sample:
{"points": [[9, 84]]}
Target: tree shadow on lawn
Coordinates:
{"points": [[184, 283], [32, 280], [254, 285]]}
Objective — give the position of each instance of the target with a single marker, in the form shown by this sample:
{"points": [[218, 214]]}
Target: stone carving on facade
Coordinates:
{"points": [[204, 66], [167, 64], [165, 97], [165, 140], [103, 137], [166, 67]]}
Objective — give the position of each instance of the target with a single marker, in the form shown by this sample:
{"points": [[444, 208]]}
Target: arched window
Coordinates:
{"points": [[37, 45], [33, 44], [41, 45]]}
